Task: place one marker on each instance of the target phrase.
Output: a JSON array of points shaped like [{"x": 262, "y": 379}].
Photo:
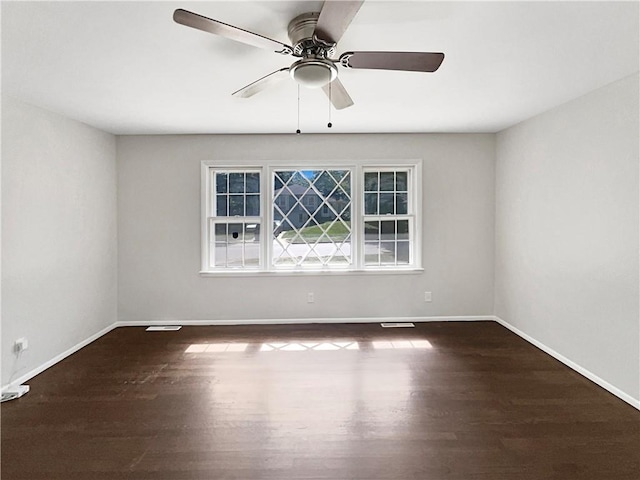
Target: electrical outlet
[
  {"x": 427, "y": 296},
  {"x": 14, "y": 392},
  {"x": 20, "y": 345},
  {"x": 310, "y": 298}
]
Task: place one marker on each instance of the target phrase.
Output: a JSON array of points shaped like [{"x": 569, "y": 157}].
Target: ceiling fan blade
[
  {"x": 205, "y": 24},
  {"x": 335, "y": 18},
  {"x": 262, "y": 83},
  {"x": 337, "y": 94},
  {"x": 407, "y": 61}
]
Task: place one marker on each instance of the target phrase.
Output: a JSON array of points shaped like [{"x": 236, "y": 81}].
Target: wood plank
[{"x": 301, "y": 402}]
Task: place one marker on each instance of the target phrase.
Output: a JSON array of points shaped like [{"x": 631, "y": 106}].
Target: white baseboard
[
  {"x": 634, "y": 402},
  {"x": 298, "y": 320},
  {"x": 271, "y": 321},
  {"x": 32, "y": 373}
]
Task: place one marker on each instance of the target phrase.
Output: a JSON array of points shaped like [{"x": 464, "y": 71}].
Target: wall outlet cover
[{"x": 21, "y": 345}]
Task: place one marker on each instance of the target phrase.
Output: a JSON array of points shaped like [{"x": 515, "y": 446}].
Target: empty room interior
[{"x": 320, "y": 240}]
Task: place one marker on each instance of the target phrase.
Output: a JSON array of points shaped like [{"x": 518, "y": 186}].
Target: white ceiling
[{"x": 127, "y": 68}]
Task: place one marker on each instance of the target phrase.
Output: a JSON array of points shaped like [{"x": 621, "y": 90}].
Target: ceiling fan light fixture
[{"x": 313, "y": 72}]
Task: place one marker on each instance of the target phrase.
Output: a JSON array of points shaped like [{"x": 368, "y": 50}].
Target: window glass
[
  {"x": 237, "y": 194},
  {"x": 387, "y": 242},
  {"x": 235, "y": 243},
  {"x": 312, "y": 217},
  {"x": 253, "y": 183},
  {"x": 310, "y": 213}
]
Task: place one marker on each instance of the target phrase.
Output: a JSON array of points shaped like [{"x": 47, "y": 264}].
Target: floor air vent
[
  {"x": 164, "y": 328},
  {"x": 398, "y": 325}
]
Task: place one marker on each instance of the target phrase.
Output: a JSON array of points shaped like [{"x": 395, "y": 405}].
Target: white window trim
[
  {"x": 414, "y": 200},
  {"x": 357, "y": 215},
  {"x": 269, "y": 172},
  {"x": 207, "y": 209}
]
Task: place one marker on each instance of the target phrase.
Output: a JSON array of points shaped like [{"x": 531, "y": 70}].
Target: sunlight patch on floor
[
  {"x": 216, "y": 347},
  {"x": 303, "y": 346},
  {"x": 401, "y": 344},
  {"x": 306, "y": 346}
]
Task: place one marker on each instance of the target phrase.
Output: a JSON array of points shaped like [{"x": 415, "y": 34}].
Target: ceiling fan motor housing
[
  {"x": 301, "y": 30},
  {"x": 314, "y": 69}
]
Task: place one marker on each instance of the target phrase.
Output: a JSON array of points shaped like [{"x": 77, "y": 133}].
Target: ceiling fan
[{"x": 314, "y": 37}]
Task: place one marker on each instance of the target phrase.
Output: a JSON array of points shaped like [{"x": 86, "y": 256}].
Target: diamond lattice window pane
[
  {"x": 324, "y": 183},
  {"x": 312, "y": 217}
]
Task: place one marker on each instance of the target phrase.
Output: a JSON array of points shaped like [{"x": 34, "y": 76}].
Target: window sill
[{"x": 295, "y": 273}]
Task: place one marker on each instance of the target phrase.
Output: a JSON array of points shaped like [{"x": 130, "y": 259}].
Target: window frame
[
  {"x": 266, "y": 171},
  {"x": 411, "y": 214},
  {"x": 210, "y": 219},
  {"x": 271, "y": 169}
]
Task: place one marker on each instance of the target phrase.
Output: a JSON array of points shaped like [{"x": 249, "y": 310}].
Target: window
[
  {"x": 387, "y": 219},
  {"x": 295, "y": 219},
  {"x": 305, "y": 233},
  {"x": 234, "y": 228}
]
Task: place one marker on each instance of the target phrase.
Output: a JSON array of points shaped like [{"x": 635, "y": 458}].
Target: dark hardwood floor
[{"x": 464, "y": 401}]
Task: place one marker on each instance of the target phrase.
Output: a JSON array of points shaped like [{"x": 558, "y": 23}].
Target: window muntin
[
  {"x": 359, "y": 217},
  {"x": 388, "y": 219},
  {"x": 237, "y": 244},
  {"x": 386, "y": 192},
  {"x": 235, "y": 220},
  {"x": 311, "y": 218},
  {"x": 237, "y": 194},
  {"x": 386, "y": 242}
]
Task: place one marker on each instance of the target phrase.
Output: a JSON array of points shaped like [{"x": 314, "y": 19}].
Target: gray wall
[
  {"x": 567, "y": 231},
  {"x": 562, "y": 195},
  {"x": 159, "y": 231},
  {"x": 58, "y": 234}
]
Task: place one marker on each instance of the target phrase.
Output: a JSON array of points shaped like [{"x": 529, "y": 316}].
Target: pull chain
[
  {"x": 298, "y": 130},
  {"x": 329, "y": 125}
]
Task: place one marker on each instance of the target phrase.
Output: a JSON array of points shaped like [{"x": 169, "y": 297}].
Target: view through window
[
  {"x": 312, "y": 217},
  {"x": 263, "y": 219}
]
